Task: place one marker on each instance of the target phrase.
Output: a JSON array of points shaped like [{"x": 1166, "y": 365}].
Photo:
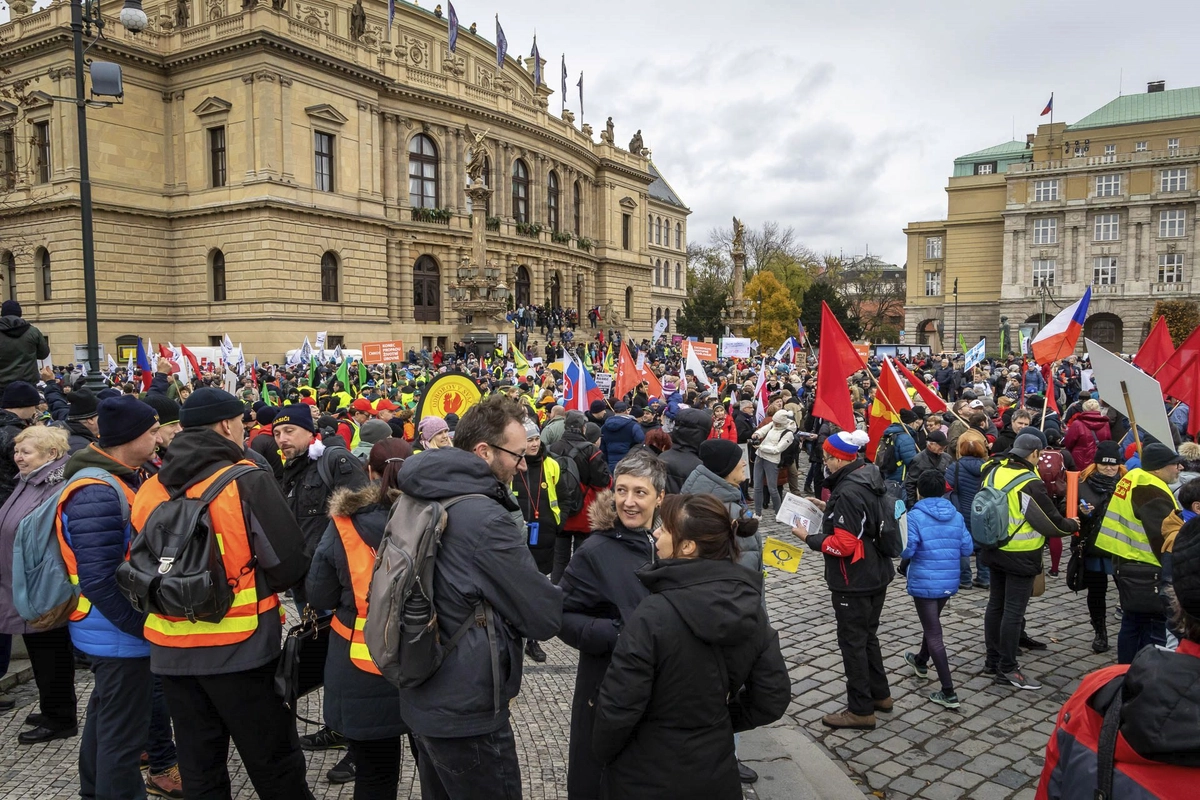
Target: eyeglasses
[{"x": 518, "y": 456}]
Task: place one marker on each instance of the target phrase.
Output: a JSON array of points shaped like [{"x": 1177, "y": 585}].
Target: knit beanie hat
[
  {"x": 1108, "y": 452},
  {"x": 297, "y": 415},
  {"x": 20, "y": 394},
  {"x": 1157, "y": 455},
  {"x": 374, "y": 430},
  {"x": 207, "y": 406},
  {"x": 1185, "y": 568},
  {"x": 720, "y": 456},
  {"x": 845, "y": 444},
  {"x": 531, "y": 430},
  {"x": 123, "y": 419},
  {"x": 84, "y": 405},
  {"x": 266, "y": 415},
  {"x": 10, "y": 308},
  {"x": 168, "y": 409},
  {"x": 430, "y": 427}
]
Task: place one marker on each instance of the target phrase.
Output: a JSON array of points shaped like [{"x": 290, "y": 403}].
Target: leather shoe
[
  {"x": 36, "y": 720},
  {"x": 7, "y": 703},
  {"x": 884, "y": 705},
  {"x": 42, "y": 734},
  {"x": 745, "y": 774},
  {"x": 1030, "y": 643},
  {"x": 848, "y": 719}
]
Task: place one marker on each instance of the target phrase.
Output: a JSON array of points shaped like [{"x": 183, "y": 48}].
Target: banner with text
[{"x": 383, "y": 352}]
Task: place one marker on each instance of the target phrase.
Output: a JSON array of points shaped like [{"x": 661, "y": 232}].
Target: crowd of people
[{"x": 630, "y": 527}]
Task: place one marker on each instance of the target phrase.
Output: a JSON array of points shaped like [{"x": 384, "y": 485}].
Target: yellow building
[
  {"x": 1109, "y": 202},
  {"x": 271, "y": 173},
  {"x": 666, "y": 239}
]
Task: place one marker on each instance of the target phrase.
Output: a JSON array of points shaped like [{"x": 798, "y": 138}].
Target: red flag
[
  {"x": 1051, "y": 389},
  {"x": 932, "y": 401},
  {"x": 191, "y": 357},
  {"x": 1186, "y": 388},
  {"x": 890, "y": 397},
  {"x": 163, "y": 352},
  {"x": 1156, "y": 350},
  {"x": 627, "y": 375},
  {"x": 838, "y": 361},
  {"x": 1180, "y": 361}
]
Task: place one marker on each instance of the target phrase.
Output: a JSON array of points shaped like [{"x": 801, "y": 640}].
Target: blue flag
[
  {"x": 537, "y": 65},
  {"x": 580, "y": 85},
  {"x": 452, "y": 21},
  {"x": 501, "y": 44}
]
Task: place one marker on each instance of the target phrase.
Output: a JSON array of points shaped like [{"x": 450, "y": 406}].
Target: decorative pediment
[
  {"x": 7, "y": 110},
  {"x": 327, "y": 114},
  {"x": 210, "y": 106},
  {"x": 38, "y": 99},
  {"x": 628, "y": 202}
]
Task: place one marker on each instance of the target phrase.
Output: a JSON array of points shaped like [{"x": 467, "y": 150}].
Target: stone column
[
  {"x": 406, "y": 281},
  {"x": 170, "y": 146},
  {"x": 267, "y": 157},
  {"x": 502, "y": 178},
  {"x": 393, "y": 281},
  {"x": 250, "y": 139},
  {"x": 286, "y": 162},
  {"x": 458, "y": 178},
  {"x": 179, "y": 155},
  {"x": 479, "y": 197},
  {"x": 376, "y": 157},
  {"x": 365, "y": 148},
  {"x": 388, "y": 162}
]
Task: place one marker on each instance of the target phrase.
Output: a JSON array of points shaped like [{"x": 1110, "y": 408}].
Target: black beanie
[
  {"x": 908, "y": 416},
  {"x": 266, "y": 414},
  {"x": 297, "y": 415},
  {"x": 168, "y": 409},
  {"x": 720, "y": 456},
  {"x": 123, "y": 419},
  {"x": 83, "y": 403},
  {"x": 20, "y": 394},
  {"x": 207, "y": 406},
  {"x": 1108, "y": 452},
  {"x": 10, "y": 308}
]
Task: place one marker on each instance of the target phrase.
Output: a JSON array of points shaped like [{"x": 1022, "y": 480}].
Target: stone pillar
[
  {"x": 458, "y": 178},
  {"x": 267, "y": 157},
  {"x": 250, "y": 138},
  {"x": 64, "y": 134},
  {"x": 406, "y": 281},
  {"x": 365, "y": 148},
  {"x": 393, "y": 281},
  {"x": 502, "y": 178},
  {"x": 170, "y": 146},
  {"x": 179, "y": 155},
  {"x": 286, "y": 162},
  {"x": 389, "y": 159},
  {"x": 479, "y": 197},
  {"x": 376, "y": 157}
]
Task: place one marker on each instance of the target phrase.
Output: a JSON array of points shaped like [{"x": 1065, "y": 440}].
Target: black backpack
[
  {"x": 887, "y": 456},
  {"x": 175, "y": 567},
  {"x": 570, "y": 486}
]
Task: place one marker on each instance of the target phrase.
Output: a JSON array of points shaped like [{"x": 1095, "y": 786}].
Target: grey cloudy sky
[{"x": 841, "y": 119}]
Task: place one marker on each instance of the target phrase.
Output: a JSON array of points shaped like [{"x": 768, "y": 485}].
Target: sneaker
[
  {"x": 848, "y": 719},
  {"x": 1029, "y": 643},
  {"x": 942, "y": 699},
  {"x": 981, "y": 584},
  {"x": 535, "y": 651},
  {"x": 343, "y": 771},
  {"x": 164, "y": 784},
  {"x": 920, "y": 670},
  {"x": 324, "y": 739},
  {"x": 745, "y": 774},
  {"x": 1017, "y": 679},
  {"x": 964, "y": 586}
]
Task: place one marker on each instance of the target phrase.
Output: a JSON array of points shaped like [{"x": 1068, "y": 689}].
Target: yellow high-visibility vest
[{"x": 1121, "y": 532}]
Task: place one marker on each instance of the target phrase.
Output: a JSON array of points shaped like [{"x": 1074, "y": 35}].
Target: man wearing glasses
[{"x": 459, "y": 717}]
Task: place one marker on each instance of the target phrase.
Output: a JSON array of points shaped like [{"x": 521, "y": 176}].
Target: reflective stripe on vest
[
  {"x": 1121, "y": 532},
  {"x": 552, "y": 472},
  {"x": 233, "y": 540},
  {"x": 360, "y": 558},
  {"x": 1022, "y": 538},
  {"x": 83, "y": 606}
]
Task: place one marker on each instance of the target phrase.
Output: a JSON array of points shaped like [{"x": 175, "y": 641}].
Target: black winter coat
[
  {"x": 308, "y": 496},
  {"x": 601, "y": 590},
  {"x": 696, "y": 663},
  {"x": 692, "y": 426},
  {"x": 529, "y": 486},
  {"x": 857, "y": 503},
  {"x": 10, "y": 426}
]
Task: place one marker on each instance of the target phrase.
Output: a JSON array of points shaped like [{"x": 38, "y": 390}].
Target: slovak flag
[
  {"x": 579, "y": 388},
  {"x": 1049, "y": 109},
  {"x": 1057, "y": 340}
]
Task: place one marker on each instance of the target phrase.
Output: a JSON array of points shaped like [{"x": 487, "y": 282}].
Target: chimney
[{"x": 1156, "y": 86}]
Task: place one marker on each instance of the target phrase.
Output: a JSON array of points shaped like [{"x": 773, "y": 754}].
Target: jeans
[
  {"x": 929, "y": 611},
  {"x": 480, "y": 767},
  {"x": 1138, "y": 631},
  {"x": 766, "y": 474},
  {"x": 114, "y": 733},
  {"x": 857, "y": 618},
  {"x": 53, "y": 662},
  {"x": 160, "y": 746},
  {"x": 377, "y": 767},
  {"x": 565, "y": 544},
  {"x": 1004, "y": 619},
  {"x": 982, "y": 573}
]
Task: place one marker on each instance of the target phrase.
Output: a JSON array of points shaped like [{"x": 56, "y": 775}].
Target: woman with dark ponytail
[{"x": 695, "y": 663}]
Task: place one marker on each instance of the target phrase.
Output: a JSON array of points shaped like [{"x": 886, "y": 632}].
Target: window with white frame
[
  {"x": 1108, "y": 227},
  {"x": 1045, "y": 231},
  {"x": 1172, "y": 147},
  {"x": 1171, "y": 223},
  {"x": 1108, "y": 185},
  {"x": 1043, "y": 271},
  {"x": 933, "y": 247},
  {"x": 1173, "y": 180},
  {"x": 1170, "y": 268},
  {"x": 1104, "y": 271},
  {"x": 933, "y": 284},
  {"x": 1044, "y": 191},
  {"x": 1141, "y": 147},
  {"x": 985, "y": 169},
  {"x": 1110, "y": 152}
]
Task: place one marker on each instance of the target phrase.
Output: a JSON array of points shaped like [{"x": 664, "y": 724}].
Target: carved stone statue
[
  {"x": 181, "y": 14},
  {"x": 1005, "y": 336},
  {"x": 358, "y": 21},
  {"x": 610, "y": 313},
  {"x": 278, "y": 5},
  {"x": 739, "y": 234},
  {"x": 636, "y": 145},
  {"x": 476, "y": 155},
  {"x": 606, "y": 135}
]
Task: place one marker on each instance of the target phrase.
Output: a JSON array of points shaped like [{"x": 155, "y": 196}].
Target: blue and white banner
[{"x": 976, "y": 354}]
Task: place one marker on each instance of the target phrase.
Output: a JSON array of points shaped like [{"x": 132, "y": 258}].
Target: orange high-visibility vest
[
  {"x": 83, "y": 606},
  {"x": 360, "y": 557},
  {"x": 229, "y": 525}
]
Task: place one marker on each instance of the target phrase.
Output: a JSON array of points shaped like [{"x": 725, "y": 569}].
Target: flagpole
[
  {"x": 1049, "y": 388},
  {"x": 879, "y": 394}
]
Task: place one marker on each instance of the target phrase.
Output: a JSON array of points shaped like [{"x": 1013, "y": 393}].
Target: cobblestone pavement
[{"x": 990, "y": 749}]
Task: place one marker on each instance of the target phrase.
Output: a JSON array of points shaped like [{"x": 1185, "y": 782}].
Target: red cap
[
  {"x": 383, "y": 404},
  {"x": 364, "y": 405}
]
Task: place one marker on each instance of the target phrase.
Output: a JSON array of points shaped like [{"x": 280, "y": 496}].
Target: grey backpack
[{"x": 989, "y": 511}]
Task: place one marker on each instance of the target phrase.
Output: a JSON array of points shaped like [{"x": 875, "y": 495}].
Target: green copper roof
[
  {"x": 1013, "y": 148},
  {"x": 1149, "y": 107}
]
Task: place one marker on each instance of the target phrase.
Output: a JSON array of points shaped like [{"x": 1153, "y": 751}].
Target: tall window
[
  {"x": 1173, "y": 180},
  {"x": 522, "y": 287},
  {"x": 626, "y": 225},
  {"x": 1045, "y": 231},
  {"x": 323, "y": 161},
  {"x": 8, "y": 159},
  {"x": 1171, "y": 223},
  {"x": 1172, "y": 147},
  {"x": 10, "y": 276},
  {"x": 658, "y": 230},
  {"x": 649, "y": 229},
  {"x": 1108, "y": 185},
  {"x": 422, "y": 172},
  {"x": 1170, "y": 268},
  {"x": 1110, "y": 153},
  {"x": 678, "y": 236},
  {"x": 1107, "y": 228},
  {"x": 678, "y": 275},
  {"x": 329, "y": 277},
  {"x": 1043, "y": 271},
  {"x": 1104, "y": 271},
  {"x": 1044, "y": 191},
  {"x": 41, "y": 151},
  {"x": 658, "y": 272},
  {"x": 933, "y": 247},
  {"x": 43, "y": 262},
  {"x": 216, "y": 156},
  {"x": 218, "y": 276},
  {"x": 933, "y": 284},
  {"x": 427, "y": 290},
  {"x": 578, "y": 203},
  {"x": 628, "y": 302},
  {"x": 520, "y": 191},
  {"x": 552, "y": 201}
]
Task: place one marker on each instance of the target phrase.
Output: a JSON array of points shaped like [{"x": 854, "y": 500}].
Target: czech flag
[
  {"x": 1057, "y": 340},
  {"x": 579, "y": 387},
  {"x": 1049, "y": 106},
  {"x": 143, "y": 362}
]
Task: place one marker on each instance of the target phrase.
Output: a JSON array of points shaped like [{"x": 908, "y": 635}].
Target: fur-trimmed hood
[
  {"x": 346, "y": 502},
  {"x": 602, "y": 513}
]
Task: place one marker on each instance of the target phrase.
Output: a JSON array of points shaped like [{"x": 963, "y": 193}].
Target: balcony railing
[{"x": 1092, "y": 162}]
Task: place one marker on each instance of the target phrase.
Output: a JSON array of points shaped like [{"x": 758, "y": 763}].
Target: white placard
[
  {"x": 641, "y": 362},
  {"x": 1145, "y": 394},
  {"x": 735, "y": 347}
]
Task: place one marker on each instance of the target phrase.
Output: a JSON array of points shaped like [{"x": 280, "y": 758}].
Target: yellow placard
[{"x": 781, "y": 555}]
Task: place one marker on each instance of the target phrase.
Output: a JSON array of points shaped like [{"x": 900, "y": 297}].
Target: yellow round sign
[{"x": 448, "y": 394}]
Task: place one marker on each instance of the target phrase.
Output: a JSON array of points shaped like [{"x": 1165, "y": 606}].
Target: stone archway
[
  {"x": 927, "y": 334},
  {"x": 1105, "y": 329}
]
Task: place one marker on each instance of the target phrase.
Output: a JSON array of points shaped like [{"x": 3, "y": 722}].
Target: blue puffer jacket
[
  {"x": 619, "y": 433},
  {"x": 95, "y": 531},
  {"x": 906, "y": 450},
  {"x": 937, "y": 540},
  {"x": 965, "y": 477}
]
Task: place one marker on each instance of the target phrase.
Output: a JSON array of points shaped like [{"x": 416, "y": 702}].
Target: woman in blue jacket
[{"x": 937, "y": 539}]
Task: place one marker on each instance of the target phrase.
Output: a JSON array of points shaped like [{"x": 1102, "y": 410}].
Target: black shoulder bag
[{"x": 301, "y": 667}]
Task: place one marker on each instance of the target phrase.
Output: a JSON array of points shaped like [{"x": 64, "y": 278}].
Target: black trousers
[
  {"x": 211, "y": 710},
  {"x": 377, "y": 767},
  {"x": 116, "y": 729},
  {"x": 1004, "y": 619},
  {"x": 53, "y": 662},
  {"x": 857, "y": 618}
]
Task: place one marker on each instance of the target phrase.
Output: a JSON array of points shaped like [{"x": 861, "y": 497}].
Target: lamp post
[
  {"x": 956, "y": 311},
  {"x": 760, "y": 329},
  {"x": 83, "y": 19}
]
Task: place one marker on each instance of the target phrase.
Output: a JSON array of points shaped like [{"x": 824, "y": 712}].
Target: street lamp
[
  {"x": 760, "y": 318},
  {"x": 83, "y": 19},
  {"x": 956, "y": 310}
]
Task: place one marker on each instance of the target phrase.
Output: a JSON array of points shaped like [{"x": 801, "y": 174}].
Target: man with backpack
[
  {"x": 484, "y": 571},
  {"x": 593, "y": 476},
  {"x": 218, "y": 674}
]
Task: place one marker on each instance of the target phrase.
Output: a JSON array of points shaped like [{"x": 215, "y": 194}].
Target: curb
[
  {"x": 23, "y": 675},
  {"x": 791, "y": 766}
]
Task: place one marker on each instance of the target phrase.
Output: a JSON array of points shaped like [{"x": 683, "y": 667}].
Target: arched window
[
  {"x": 552, "y": 201},
  {"x": 628, "y": 302},
  {"x": 678, "y": 236},
  {"x": 522, "y": 286},
  {"x": 329, "y": 277},
  {"x": 658, "y": 231},
  {"x": 657, "y": 314},
  {"x": 43, "y": 264},
  {"x": 217, "y": 270},
  {"x": 520, "y": 191},
  {"x": 427, "y": 291},
  {"x": 667, "y": 317},
  {"x": 658, "y": 272},
  {"x": 578, "y": 210},
  {"x": 678, "y": 275},
  {"x": 10, "y": 276},
  {"x": 649, "y": 229},
  {"x": 422, "y": 172}
]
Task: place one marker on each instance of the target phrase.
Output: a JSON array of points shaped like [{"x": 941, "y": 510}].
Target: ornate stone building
[
  {"x": 1110, "y": 202},
  {"x": 279, "y": 168},
  {"x": 666, "y": 239}
]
